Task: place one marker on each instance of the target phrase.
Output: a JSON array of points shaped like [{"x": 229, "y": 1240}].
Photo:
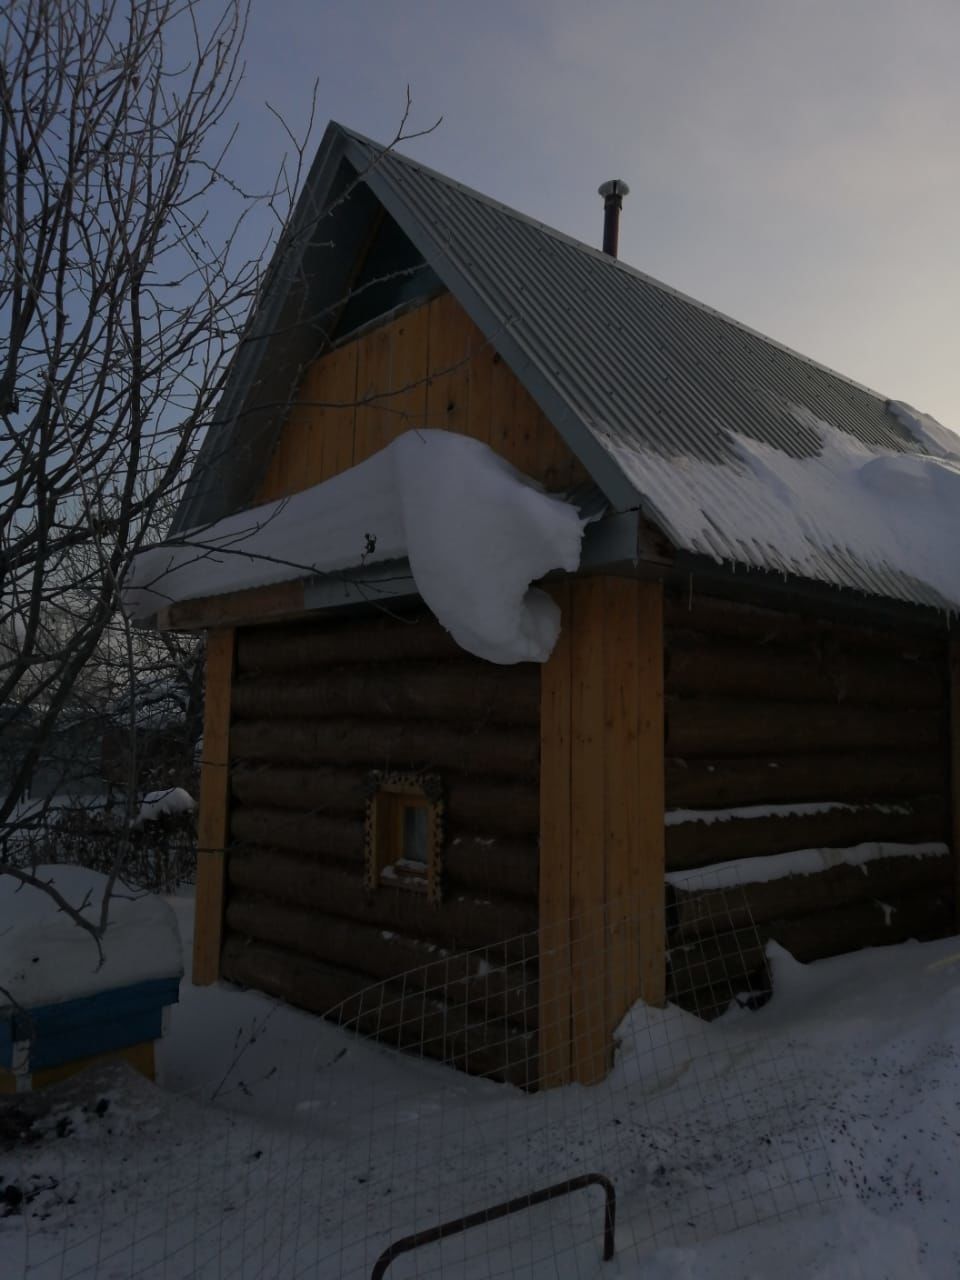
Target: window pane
[{"x": 415, "y": 826}]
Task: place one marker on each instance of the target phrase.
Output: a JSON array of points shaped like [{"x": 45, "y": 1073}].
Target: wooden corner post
[
  {"x": 213, "y": 826},
  {"x": 555, "y": 1031},
  {"x": 602, "y": 927}
]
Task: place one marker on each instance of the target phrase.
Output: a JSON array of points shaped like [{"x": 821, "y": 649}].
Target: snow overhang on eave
[
  {"x": 621, "y": 540},
  {"x": 476, "y": 531}
]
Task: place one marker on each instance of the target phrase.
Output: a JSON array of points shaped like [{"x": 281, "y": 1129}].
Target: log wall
[
  {"x": 429, "y": 367},
  {"x": 781, "y": 733},
  {"x": 315, "y": 707},
  {"x": 767, "y": 710}
]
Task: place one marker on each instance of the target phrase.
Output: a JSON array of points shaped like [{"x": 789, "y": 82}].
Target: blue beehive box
[{"x": 63, "y": 1008}]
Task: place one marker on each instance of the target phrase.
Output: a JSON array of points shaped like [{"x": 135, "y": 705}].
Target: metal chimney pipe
[{"x": 613, "y": 193}]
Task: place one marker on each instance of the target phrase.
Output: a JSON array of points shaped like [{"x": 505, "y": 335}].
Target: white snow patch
[
  {"x": 162, "y": 804},
  {"x": 676, "y": 817},
  {"x": 844, "y": 1243},
  {"x": 476, "y": 532},
  {"x": 926, "y": 430},
  {"x": 45, "y": 957},
  {"x": 321, "y": 1148},
  {"x": 896, "y": 513},
  {"x": 800, "y": 862}
]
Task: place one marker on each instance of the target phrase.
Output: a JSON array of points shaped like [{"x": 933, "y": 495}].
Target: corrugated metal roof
[
  {"x": 622, "y": 362},
  {"x": 656, "y": 393},
  {"x": 634, "y": 357}
]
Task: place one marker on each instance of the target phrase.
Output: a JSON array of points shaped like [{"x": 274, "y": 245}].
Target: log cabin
[{"x": 745, "y": 725}]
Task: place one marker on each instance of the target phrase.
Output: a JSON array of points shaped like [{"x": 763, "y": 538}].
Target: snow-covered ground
[{"x": 817, "y": 1138}]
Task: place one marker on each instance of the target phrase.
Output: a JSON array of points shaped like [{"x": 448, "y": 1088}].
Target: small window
[{"x": 404, "y": 832}]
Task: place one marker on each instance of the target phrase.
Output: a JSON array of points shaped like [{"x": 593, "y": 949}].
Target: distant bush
[{"x": 159, "y": 850}]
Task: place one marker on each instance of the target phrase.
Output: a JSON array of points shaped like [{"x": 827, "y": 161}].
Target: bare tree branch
[{"x": 120, "y": 309}]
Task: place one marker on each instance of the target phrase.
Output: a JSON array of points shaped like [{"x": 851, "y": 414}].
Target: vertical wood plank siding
[
  {"x": 828, "y": 735},
  {"x": 429, "y": 367},
  {"x": 556, "y": 791},
  {"x": 646, "y": 766},
  {"x": 214, "y": 807},
  {"x": 609, "y": 863},
  {"x": 317, "y": 706}
]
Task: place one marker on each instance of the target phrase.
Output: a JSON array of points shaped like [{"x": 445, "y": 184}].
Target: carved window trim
[{"x": 388, "y": 797}]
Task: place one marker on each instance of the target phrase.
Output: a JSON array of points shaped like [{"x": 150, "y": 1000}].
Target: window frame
[{"x": 388, "y": 795}]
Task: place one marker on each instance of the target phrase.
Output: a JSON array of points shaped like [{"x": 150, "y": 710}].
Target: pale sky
[{"x": 792, "y": 162}]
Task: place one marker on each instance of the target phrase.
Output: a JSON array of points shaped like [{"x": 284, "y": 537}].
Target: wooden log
[
  {"x": 476, "y": 805},
  {"x": 926, "y": 913},
  {"x": 472, "y": 692},
  {"x": 702, "y": 726},
  {"x": 717, "y": 782},
  {"x": 305, "y": 646},
  {"x": 319, "y": 834},
  {"x": 715, "y": 671},
  {"x": 705, "y": 983},
  {"x": 492, "y": 866},
  {"x": 737, "y": 957},
  {"x": 698, "y": 844},
  {"x": 296, "y": 979},
  {"x": 391, "y": 744},
  {"x": 462, "y": 922},
  {"x": 697, "y": 913},
  {"x": 214, "y": 808},
  {"x": 712, "y": 1001},
  {"x": 713, "y": 616},
  {"x": 460, "y": 980},
  {"x": 233, "y": 608},
  {"x": 489, "y": 807},
  {"x": 386, "y": 1012},
  {"x": 307, "y": 790},
  {"x": 483, "y": 866}
]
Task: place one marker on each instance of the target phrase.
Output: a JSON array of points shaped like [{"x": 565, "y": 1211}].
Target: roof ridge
[{"x": 613, "y": 263}]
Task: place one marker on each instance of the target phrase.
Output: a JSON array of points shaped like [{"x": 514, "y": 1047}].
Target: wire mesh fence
[{"x": 435, "y": 1096}]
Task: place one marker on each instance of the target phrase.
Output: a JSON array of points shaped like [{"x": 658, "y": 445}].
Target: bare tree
[{"x": 119, "y": 308}]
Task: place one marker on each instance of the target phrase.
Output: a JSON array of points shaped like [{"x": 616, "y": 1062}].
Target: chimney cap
[{"x": 615, "y": 187}]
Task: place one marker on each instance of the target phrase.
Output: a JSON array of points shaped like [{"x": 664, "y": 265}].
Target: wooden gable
[{"x": 429, "y": 367}]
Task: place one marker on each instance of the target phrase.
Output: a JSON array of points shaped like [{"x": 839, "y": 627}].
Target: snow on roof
[
  {"x": 672, "y": 407},
  {"x": 46, "y": 958},
  {"x": 847, "y": 514},
  {"x": 476, "y": 532},
  {"x": 930, "y": 434}
]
